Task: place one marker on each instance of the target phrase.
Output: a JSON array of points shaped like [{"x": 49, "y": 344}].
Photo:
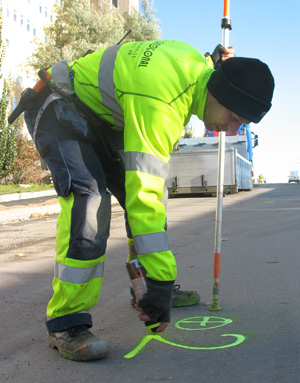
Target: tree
[
  {"x": 7, "y": 133},
  {"x": 144, "y": 26},
  {"x": 19, "y": 160},
  {"x": 79, "y": 27}
]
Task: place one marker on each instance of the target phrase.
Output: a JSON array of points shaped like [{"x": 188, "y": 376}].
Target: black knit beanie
[{"x": 244, "y": 86}]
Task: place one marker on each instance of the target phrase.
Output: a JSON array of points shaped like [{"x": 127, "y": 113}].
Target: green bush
[{"x": 27, "y": 165}]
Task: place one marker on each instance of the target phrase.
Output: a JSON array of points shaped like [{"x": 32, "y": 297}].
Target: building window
[
  {"x": 15, "y": 15},
  {"x": 7, "y": 12},
  {"x": 46, "y": 12},
  {"x": 7, "y": 43},
  {"x": 34, "y": 32},
  {"x": 28, "y": 25},
  {"x": 115, "y": 3},
  {"x": 40, "y": 9},
  {"x": 21, "y": 21}
]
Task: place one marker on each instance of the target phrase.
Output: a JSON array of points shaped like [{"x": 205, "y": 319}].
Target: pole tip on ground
[{"x": 215, "y": 307}]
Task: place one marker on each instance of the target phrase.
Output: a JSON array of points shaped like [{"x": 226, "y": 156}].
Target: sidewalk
[
  {"x": 29, "y": 205},
  {"x": 26, "y": 195}
]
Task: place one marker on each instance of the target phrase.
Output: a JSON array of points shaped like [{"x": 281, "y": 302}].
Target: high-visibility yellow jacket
[{"x": 149, "y": 89}]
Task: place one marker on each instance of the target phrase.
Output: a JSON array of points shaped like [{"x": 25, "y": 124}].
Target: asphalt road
[{"x": 254, "y": 338}]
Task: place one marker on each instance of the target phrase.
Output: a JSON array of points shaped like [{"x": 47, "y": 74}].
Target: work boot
[
  {"x": 183, "y": 298},
  {"x": 78, "y": 343},
  {"x": 180, "y": 298}
]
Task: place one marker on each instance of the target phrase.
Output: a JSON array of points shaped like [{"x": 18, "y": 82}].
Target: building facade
[
  {"x": 121, "y": 5},
  {"x": 23, "y": 20}
]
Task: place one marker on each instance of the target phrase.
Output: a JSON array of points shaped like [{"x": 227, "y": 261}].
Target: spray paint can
[
  {"x": 138, "y": 279},
  {"x": 138, "y": 282}
]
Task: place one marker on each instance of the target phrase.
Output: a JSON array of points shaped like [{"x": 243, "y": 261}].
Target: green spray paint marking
[
  {"x": 147, "y": 338},
  {"x": 202, "y": 323}
]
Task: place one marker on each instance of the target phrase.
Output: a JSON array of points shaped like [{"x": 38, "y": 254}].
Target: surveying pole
[{"x": 226, "y": 27}]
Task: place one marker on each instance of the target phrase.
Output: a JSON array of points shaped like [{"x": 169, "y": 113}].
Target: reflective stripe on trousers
[{"x": 78, "y": 276}]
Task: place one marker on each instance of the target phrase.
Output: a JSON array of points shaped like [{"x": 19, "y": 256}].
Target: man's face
[{"x": 218, "y": 118}]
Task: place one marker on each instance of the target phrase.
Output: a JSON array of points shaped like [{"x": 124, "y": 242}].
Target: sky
[{"x": 263, "y": 29}]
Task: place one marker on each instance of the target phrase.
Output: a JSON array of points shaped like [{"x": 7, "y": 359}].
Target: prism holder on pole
[{"x": 226, "y": 26}]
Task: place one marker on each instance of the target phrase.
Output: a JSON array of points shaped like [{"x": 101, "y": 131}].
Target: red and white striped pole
[{"x": 226, "y": 26}]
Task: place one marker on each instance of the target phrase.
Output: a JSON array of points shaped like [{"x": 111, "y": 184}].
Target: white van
[{"x": 294, "y": 176}]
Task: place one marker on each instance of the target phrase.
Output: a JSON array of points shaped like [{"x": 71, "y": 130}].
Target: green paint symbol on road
[
  {"x": 269, "y": 202},
  {"x": 193, "y": 323},
  {"x": 201, "y": 323}
]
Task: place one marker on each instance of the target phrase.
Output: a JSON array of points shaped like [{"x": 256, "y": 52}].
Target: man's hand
[
  {"x": 220, "y": 54},
  {"x": 227, "y": 53},
  {"x": 155, "y": 306},
  {"x": 144, "y": 317}
]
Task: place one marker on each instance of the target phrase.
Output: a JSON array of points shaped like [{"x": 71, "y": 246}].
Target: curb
[{"x": 26, "y": 195}]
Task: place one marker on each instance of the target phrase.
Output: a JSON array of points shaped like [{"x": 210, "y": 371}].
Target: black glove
[
  {"x": 216, "y": 56},
  {"x": 156, "y": 302}
]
